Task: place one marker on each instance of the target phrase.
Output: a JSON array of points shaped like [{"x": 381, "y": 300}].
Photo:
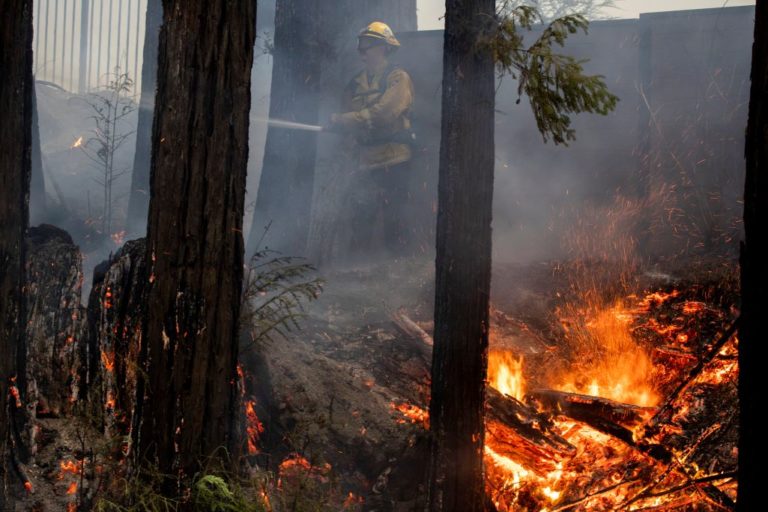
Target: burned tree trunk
[
  {"x": 115, "y": 310},
  {"x": 138, "y": 203},
  {"x": 54, "y": 323},
  {"x": 754, "y": 270},
  {"x": 463, "y": 262},
  {"x": 285, "y": 188},
  {"x": 194, "y": 239},
  {"x": 15, "y": 168}
]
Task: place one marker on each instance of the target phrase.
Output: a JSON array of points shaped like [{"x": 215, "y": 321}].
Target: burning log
[
  {"x": 519, "y": 432},
  {"x": 608, "y": 416}
]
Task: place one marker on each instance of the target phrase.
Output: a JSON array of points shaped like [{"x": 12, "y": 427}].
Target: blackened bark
[
  {"x": 194, "y": 235},
  {"x": 463, "y": 262},
  {"x": 115, "y": 310},
  {"x": 138, "y": 203},
  {"x": 54, "y": 326},
  {"x": 287, "y": 177},
  {"x": 15, "y": 168},
  {"x": 754, "y": 272}
]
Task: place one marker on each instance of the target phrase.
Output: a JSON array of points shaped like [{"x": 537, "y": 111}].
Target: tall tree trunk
[
  {"x": 194, "y": 235},
  {"x": 16, "y": 87},
  {"x": 308, "y": 37},
  {"x": 463, "y": 262},
  {"x": 754, "y": 271},
  {"x": 138, "y": 202},
  {"x": 285, "y": 188}
]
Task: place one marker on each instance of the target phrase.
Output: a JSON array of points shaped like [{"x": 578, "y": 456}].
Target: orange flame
[
  {"x": 505, "y": 373},
  {"x": 72, "y": 489},
  {"x": 612, "y": 364},
  {"x": 254, "y": 427}
]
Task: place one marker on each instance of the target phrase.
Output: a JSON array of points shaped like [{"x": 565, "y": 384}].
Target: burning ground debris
[
  {"x": 627, "y": 405},
  {"x": 643, "y": 392}
]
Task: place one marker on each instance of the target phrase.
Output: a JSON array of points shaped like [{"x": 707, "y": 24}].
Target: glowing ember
[
  {"x": 108, "y": 360},
  {"x": 109, "y": 403},
  {"x": 295, "y": 467},
  {"x": 72, "y": 489},
  {"x": 118, "y": 238},
  {"x": 352, "y": 500},
  {"x": 28, "y": 486},
  {"x": 253, "y": 428},
  {"x": 505, "y": 373},
  {"x": 414, "y": 413}
]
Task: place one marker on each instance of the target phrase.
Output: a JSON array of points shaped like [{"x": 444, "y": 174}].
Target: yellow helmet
[{"x": 380, "y": 32}]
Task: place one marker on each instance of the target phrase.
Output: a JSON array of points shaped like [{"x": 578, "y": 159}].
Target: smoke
[{"x": 676, "y": 133}]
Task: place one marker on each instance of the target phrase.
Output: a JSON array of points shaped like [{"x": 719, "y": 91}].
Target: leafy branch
[{"x": 555, "y": 84}]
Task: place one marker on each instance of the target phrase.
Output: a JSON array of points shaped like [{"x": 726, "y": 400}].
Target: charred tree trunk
[
  {"x": 754, "y": 271},
  {"x": 194, "y": 239},
  {"x": 463, "y": 262},
  {"x": 287, "y": 177},
  {"x": 138, "y": 202},
  {"x": 15, "y": 168}
]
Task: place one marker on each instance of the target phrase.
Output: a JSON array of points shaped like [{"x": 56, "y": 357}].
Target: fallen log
[
  {"x": 517, "y": 431},
  {"x": 409, "y": 327},
  {"x": 608, "y": 416}
]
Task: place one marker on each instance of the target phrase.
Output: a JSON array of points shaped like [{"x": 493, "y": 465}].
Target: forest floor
[{"x": 351, "y": 390}]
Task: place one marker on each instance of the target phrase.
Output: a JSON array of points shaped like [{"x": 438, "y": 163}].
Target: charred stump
[
  {"x": 55, "y": 321},
  {"x": 115, "y": 309}
]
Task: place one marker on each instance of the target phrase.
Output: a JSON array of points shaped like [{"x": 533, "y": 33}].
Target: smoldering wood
[
  {"x": 528, "y": 438},
  {"x": 55, "y": 320},
  {"x": 115, "y": 309}
]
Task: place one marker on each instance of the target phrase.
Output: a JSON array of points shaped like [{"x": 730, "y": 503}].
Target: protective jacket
[{"x": 376, "y": 110}]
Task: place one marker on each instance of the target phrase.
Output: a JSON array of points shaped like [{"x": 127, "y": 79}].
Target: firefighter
[{"x": 376, "y": 104}]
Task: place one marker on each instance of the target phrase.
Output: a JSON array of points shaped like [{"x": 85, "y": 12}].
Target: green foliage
[
  {"x": 276, "y": 289},
  {"x": 556, "y": 85}
]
